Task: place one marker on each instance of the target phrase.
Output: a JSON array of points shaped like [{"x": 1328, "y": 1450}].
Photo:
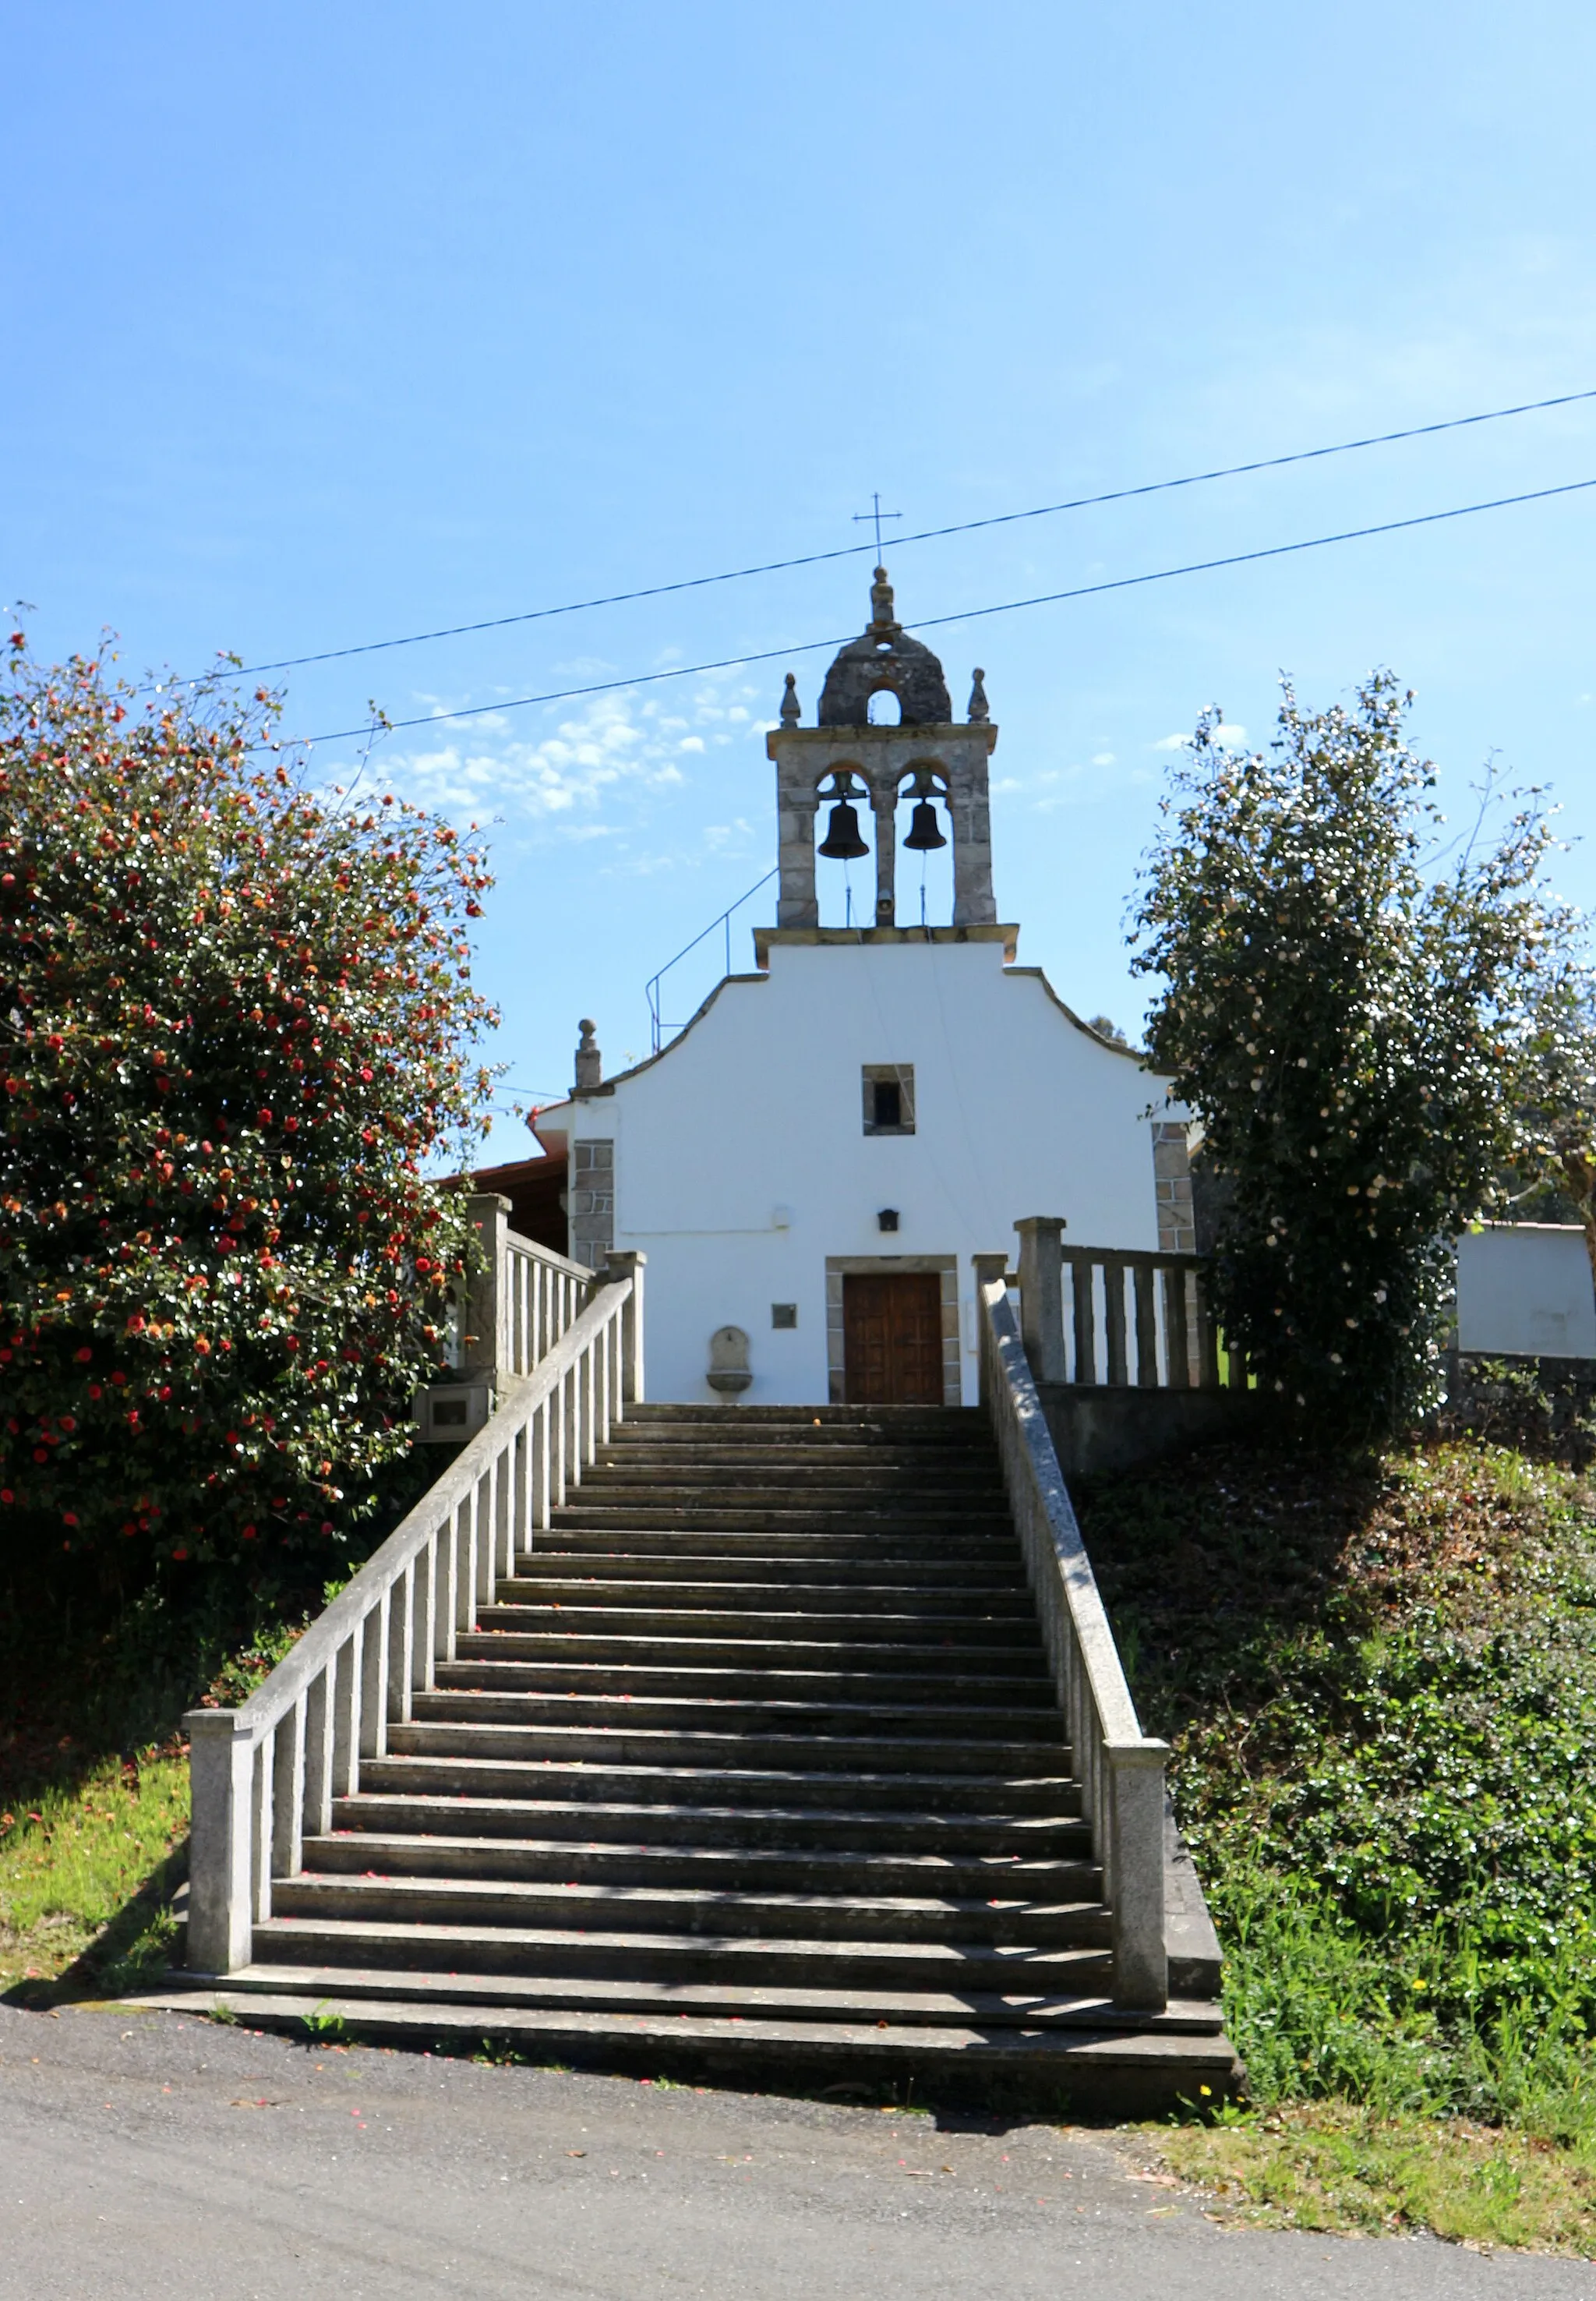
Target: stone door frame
[{"x": 839, "y": 1266}]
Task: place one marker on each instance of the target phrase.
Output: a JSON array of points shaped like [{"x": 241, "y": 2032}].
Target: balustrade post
[
  {"x": 1207, "y": 1338},
  {"x": 1041, "y": 1294},
  {"x": 1136, "y": 1871},
  {"x": 1114, "y": 1319},
  {"x": 1086, "y": 1323},
  {"x": 222, "y": 1762},
  {"x": 486, "y": 1342},
  {"x": 991, "y": 1270},
  {"x": 1176, "y": 1343},
  {"x": 629, "y": 1264},
  {"x": 1147, "y": 1325}
]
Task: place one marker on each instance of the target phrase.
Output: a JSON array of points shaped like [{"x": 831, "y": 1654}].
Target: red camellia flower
[{"x": 198, "y": 921}]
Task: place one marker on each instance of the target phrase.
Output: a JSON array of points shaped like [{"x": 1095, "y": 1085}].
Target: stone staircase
[{"x": 756, "y": 1761}]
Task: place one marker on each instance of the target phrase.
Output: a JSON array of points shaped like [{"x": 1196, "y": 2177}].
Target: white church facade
[{"x": 811, "y": 1165}]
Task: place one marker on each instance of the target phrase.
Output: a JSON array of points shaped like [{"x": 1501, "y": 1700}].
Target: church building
[{"x": 811, "y": 1164}]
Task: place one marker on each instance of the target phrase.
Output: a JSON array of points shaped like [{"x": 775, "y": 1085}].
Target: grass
[
  {"x": 1379, "y": 1678},
  {"x": 92, "y": 1867},
  {"x": 1334, "y": 2166},
  {"x": 93, "y": 1796}
]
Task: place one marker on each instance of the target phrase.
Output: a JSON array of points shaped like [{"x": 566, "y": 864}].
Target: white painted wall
[
  {"x": 1523, "y": 1289},
  {"x": 741, "y": 1161}
]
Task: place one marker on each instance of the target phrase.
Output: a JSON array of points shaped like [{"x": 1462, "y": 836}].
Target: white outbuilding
[{"x": 810, "y": 1166}]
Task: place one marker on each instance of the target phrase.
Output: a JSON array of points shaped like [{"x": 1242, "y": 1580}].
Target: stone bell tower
[{"x": 927, "y": 757}]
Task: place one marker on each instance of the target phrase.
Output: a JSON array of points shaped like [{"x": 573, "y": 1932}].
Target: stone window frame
[
  {"x": 898, "y": 1075},
  {"x": 839, "y": 1266}
]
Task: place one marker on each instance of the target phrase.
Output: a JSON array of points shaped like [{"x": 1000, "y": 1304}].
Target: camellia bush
[
  {"x": 238, "y": 1022},
  {"x": 1353, "y": 1012}
]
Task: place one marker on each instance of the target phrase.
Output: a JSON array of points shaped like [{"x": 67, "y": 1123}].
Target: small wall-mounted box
[{"x": 451, "y": 1412}]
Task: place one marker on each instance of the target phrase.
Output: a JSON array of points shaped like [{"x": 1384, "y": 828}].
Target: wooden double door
[{"x": 892, "y": 1338}]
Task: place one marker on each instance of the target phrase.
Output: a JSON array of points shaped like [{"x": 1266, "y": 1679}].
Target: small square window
[
  {"x": 889, "y": 1097},
  {"x": 783, "y": 1314}
]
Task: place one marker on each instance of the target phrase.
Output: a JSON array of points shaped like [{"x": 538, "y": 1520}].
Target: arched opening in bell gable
[
  {"x": 924, "y": 874},
  {"x": 844, "y": 879}
]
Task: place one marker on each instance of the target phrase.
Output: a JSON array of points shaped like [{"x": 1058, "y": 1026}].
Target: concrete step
[
  {"x": 482, "y": 1664},
  {"x": 854, "y": 1755},
  {"x": 687, "y": 1487},
  {"x": 618, "y": 1642},
  {"x": 707, "y": 1868},
  {"x": 902, "y": 1423},
  {"x": 398, "y": 1898},
  {"x": 1193, "y": 2019},
  {"x": 734, "y": 1961},
  {"x": 790, "y": 1516},
  {"x": 969, "y": 1630},
  {"x": 935, "y": 1551},
  {"x": 923, "y": 1721},
  {"x": 726, "y": 1787},
  {"x": 690, "y": 1570},
  {"x": 1081, "y": 2052},
  {"x": 793, "y": 1593},
  {"x": 603, "y": 1824},
  {"x": 875, "y": 1468}
]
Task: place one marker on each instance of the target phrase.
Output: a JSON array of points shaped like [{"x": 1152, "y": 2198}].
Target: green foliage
[
  {"x": 236, "y": 1022},
  {"x": 1381, "y": 1685},
  {"x": 1354, "y": 1034}
]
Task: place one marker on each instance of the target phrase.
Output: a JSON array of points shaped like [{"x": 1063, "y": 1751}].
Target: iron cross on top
[{"x": 876, "y": 515}]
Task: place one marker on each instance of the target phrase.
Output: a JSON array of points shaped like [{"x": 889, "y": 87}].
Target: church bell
[
  {"x": 842, "y": 841},
  {"x": 924, "y": 832}
]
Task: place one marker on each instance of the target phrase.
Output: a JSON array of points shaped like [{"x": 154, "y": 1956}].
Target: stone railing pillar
[
  {"x": 485, "y": 1346},
  {"x": 629, "y": 1264},
  {"x": 991, "y": 1270},
  {"x": 883, "y": 800},
  {"x": 222, "y": 1773},
  {"x": 1041, "y": 1294},
  {"x": 1136, "y": 1873}
]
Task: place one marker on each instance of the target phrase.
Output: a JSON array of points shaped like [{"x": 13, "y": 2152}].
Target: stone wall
[
  {"x": 1171, "y": 1185},
  {"x": 592, "y": 1200}
]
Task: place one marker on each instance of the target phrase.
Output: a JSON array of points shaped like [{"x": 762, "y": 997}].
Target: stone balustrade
[
  {"x": 1117, "y": 1318},
  {"x": 267, "y": 1773},
  {"x": 1120, "y": 1769}
]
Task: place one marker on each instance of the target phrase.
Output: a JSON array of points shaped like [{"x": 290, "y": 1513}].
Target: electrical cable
[
  {"x": 934, "y": 623},
  {"x": 924, "y": 535}
]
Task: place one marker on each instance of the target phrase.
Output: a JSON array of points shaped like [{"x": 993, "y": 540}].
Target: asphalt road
[{"x": 154, "y": 2154}]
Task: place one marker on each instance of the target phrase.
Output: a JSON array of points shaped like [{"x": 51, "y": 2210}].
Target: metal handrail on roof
[{"x": 657, "y": 1026}]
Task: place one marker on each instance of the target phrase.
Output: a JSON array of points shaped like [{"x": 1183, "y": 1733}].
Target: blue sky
[{"x": 330, "y": 324}]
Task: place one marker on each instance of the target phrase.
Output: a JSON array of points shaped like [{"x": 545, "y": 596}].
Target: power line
[
  {"x": 924, "y": 535},
  {"x": 963, "y": 615}
]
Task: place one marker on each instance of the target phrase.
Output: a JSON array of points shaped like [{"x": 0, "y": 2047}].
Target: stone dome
[{"x": 885, "y": 659}]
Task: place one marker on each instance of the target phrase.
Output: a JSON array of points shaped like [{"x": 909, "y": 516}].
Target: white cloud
[
  {"x": 583, "y": 773},
  {"x": 1172, "y": 742},
  {"x": 490, "y": 767},
  {"x": 1102, "y": 759}
]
